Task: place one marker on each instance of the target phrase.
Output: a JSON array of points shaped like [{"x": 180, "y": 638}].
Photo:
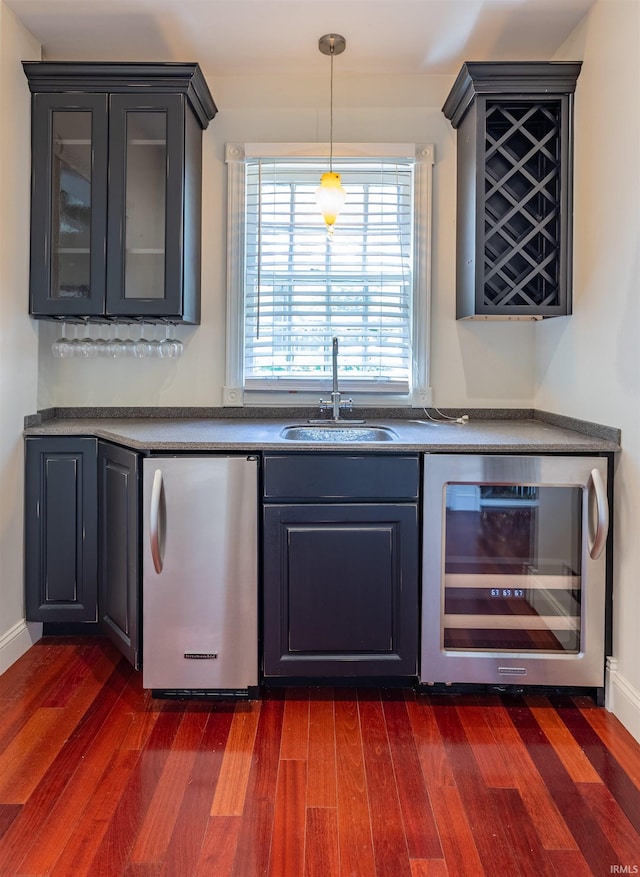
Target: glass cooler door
[{"x": 512, "y": 568}]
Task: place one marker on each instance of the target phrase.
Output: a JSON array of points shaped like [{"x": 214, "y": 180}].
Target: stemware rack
[{"x": 117, "y": 340}]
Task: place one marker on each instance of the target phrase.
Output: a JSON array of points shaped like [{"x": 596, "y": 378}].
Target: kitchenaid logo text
[{"x": 624, "y": 869}]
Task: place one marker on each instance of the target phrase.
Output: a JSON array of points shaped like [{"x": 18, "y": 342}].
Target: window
[{"x": 292, "y": 287}]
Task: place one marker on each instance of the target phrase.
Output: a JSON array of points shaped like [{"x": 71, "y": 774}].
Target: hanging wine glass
[
  {"x": 155, "y": 342},
  {"x": 101, "y": 344},
  {"x": 169, "y": 347},
  {"x": 177, "y": 344},
  {"x": 142, "y": 347},
  {"x": 163, "y": 345},
  {"x": 115, "y": 343},
  {"x": 74, "y": 343},
  {"x": 83, "y": 344},
  {"x": 60, "y": 347},
  {"x": 90, "y": 341},
  {"x": 128, "y": 345},
  {"x": 174, "y": 347}
]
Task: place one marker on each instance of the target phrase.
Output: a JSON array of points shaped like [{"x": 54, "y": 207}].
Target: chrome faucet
[{"x": 335, "y": 405}]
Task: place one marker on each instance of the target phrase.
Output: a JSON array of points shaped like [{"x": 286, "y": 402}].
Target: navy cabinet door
[
  {"x": 340, "y": 590},
  {"x": 118, "y": 572},
  {"x": 68, "y": 204},
  {"x": 61, "y": 562},
  {"x": 151, "y": 260}
]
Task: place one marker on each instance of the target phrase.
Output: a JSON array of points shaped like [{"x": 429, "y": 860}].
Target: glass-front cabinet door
[
  {"x": 514, "y": 569},
  {"x": 146, "y": 151},
  {"x": 69, "y": 222}
]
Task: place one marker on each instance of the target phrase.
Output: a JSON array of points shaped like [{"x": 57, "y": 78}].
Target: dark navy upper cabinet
[
  {"x": 61, "y": 529},
  {"x": 116, "y": 189},
  {"x": 514, "y": 124}
]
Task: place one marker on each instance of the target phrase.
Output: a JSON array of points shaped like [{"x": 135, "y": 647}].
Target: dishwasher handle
[
  {"x": 602, "y": 507},
  {"x": 156, "y": 522}
]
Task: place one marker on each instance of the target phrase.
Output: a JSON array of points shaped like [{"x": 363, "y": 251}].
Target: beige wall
[
  {"x": 18, "y": 335},
  {"x": 588, "y": 365},
  {"x": 473, "y": 364}
]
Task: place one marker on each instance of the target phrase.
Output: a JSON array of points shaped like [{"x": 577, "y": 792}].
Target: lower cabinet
[
  {"x": 340, "y": 578},
  {"x": 118, "y": 552},
  {"x": 340, "y": 555},
  {"x": 81, "y": 536},
  {"x": 61, "y": 512}
]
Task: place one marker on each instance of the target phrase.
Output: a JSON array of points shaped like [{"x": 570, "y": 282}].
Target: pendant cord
[{"x": 331, "y": 116}]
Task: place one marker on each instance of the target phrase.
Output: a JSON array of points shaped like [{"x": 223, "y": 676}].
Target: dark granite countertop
[{"x": 219, "y": 430}]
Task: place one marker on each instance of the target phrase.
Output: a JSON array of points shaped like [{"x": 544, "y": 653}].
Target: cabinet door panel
[
  {"x": 62, "y": 498},
  {"x": 146, "y": 195},
  {"x": 344, "y": 602},
  {"x": 340, "y": 590},
  {"x": 61, "y": 529},
  {"x": 118, "y": 577},
  {"x": 68, "y": 211}
]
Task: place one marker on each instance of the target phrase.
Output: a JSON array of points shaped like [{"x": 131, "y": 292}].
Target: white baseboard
[
  {"x": 622, "y": 699},
  {"x": 16, "y": 641}
]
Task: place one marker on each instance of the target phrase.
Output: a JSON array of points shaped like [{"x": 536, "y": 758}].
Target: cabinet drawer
[{"x": 343, "y": 477}]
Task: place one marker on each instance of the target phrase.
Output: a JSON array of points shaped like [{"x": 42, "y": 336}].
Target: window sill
[{"x": 238, "y": 398}]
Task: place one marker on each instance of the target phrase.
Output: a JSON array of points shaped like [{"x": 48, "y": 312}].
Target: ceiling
[{"x": 236, "y": 37}]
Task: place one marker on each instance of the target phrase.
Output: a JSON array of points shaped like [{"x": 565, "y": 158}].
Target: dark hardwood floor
[{"x": 97, "y": 778}]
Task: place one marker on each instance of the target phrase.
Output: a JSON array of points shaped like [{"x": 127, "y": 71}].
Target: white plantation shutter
[{"x": 302, "y": 288}]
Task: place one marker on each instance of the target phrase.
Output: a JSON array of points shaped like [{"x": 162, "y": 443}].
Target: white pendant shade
[{"x": 330, "y": 197}]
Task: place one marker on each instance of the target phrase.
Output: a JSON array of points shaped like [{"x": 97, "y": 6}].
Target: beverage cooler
[{"x": 514, "y": 572}]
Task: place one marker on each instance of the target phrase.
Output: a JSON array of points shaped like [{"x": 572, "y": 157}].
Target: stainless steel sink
[{"x": 338, "y": 432}]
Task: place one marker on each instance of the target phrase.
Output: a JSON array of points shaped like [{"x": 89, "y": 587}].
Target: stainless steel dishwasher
[{"x": 200, "y": 579}]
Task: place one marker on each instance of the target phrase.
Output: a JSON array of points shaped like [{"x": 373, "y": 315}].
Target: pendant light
[{"x": 330, "y": 195}]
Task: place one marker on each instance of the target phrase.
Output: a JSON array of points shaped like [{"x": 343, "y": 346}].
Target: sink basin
[{"x": 328, "y": 432}]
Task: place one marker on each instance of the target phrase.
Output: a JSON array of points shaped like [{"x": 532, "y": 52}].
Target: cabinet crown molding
[
  {"x": 508, "y": 77},
  {"x": 117, "y": 77}
]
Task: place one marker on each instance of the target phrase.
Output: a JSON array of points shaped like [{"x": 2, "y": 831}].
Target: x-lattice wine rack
[{"x": 514, "y": 205}]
